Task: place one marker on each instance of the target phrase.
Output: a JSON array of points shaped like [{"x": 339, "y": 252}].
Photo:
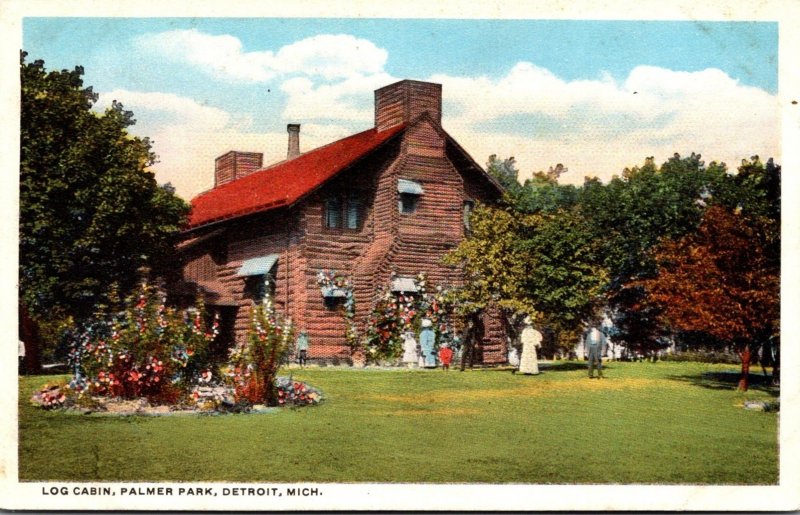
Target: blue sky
[{"x": 596, "y": 96}]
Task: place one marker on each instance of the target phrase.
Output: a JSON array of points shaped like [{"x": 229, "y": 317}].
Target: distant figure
[
  {"x": 410, "y": 353},
  {"x": 427, "y": 339},
  {"x": 302, "y": 348},
  {"x": 531, "y": 338},
  {"x": 513, "y": 356},
  {"x": 21, "y": 365},
  {"x": 595, "y": 342},
  {"x": 445, "y": 356}
]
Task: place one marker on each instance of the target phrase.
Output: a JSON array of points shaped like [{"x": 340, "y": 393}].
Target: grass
[{"x": 677, "y": 423}]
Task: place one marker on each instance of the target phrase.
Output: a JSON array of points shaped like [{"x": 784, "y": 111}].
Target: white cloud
[
  {"x": 328, "y": 56},
  {"x": 220, "y": 56},
  {"x": 594, "y": 127},
  {"x": 350, "y": 99},
  {"x": 331, "y": 57},
  {"x": 599, "y": 127},
  {"x": 163, "y": 109},
  {"x": 188, "y": 136}
]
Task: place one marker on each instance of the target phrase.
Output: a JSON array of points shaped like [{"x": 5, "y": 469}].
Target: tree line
[{"x": 681, "y": 252}]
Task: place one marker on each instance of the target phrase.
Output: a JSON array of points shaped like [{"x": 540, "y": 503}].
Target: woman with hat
[
  {"x": 427, "y": 339},
  {"x": 531, "y": 338}
]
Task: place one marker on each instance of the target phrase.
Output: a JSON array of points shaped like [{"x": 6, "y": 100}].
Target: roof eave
[{"x": 494, "y": 182}]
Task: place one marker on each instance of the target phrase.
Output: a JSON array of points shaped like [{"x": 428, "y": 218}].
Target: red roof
[{"x": 285, "y": 183}]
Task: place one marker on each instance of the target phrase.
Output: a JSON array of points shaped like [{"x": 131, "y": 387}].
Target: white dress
[
  {"x": 410, "y": 349},
  {"x": 531, "y": 338}
]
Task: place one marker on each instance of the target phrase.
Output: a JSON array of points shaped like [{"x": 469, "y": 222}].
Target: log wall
[{"x": 387, "y": 242}]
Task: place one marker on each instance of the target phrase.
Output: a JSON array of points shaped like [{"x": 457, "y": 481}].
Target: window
[
  {"x": 344, "y": 211},
  {"x": 353, "y": 210},
  {"x": 333, "y": 212},
  {"x": 408, "y": 203},
  {"x": 469, "y": 206},
  {"x": 410, "y": 192},
  {"x": 259, "y": 287},
  {"x": 259, "y": 277}
]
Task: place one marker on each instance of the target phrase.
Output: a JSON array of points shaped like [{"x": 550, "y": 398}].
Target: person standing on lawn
[
  {"x": 410, "y": 354},
  {"x": 302, "y": 347},
  {"x": 531, "y": 338},
  {"x": 427, "y": 339},
  {"x": 595, "y": 342},
  {"x": 21, "y": 369},
  {"x": 445, "y": 356}
]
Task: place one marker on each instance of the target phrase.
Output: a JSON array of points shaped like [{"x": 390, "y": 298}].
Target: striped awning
[
  {"x": 332, "y": 292},
  {"x": 409, "y": 187},
  {"x": 258, "y": 265}
]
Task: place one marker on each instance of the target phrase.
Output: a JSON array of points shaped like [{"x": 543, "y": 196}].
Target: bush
[
  {"x": 149, "y": 350},
  {"x": 702, "y": 357},
  {"x": 255, "y": 364}
]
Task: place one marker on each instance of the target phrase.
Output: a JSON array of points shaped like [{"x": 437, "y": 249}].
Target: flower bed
[{"x": 216, "y": 398}]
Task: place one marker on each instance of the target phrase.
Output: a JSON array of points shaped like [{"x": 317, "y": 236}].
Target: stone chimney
[
  {"x": 404, "y": 101},
  {"x": 294, "y": 140},
  {"x": 235, "y": 165}
]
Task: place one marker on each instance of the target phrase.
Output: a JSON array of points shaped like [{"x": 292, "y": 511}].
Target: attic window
[
  {"x": 344, "y": 211},
  {"x": 410, "y": 193}
]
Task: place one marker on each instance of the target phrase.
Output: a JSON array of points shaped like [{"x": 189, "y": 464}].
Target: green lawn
[{"x": 679, "y": 423}]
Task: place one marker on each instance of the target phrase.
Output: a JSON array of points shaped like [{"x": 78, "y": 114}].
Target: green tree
[
  {"x": 543, "y": 193},
  {"x": 629, "y": 216},
  {"x": 91, "y": 213},
  {"x": 540, "y": 265},
  {"x": 505, "y": 171}
]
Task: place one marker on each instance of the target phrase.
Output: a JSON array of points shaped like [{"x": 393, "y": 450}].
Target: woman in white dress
[{"x": 531, "y": 338}]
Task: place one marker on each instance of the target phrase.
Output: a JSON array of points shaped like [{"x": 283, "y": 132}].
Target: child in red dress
[{"x": 445, "y": 356}]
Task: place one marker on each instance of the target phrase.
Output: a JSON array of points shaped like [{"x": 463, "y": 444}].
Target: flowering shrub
[
  {"x": 150, "y": 350},
  {"x": 383, "y": 328},
  {"x": 393, "y": 314},
  {"x": 296, "y": 393},
  {"x": 255, "y": 364},
  {"x": 50, "y": 396}
]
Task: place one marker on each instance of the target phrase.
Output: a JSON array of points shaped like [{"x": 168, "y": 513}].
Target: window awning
[
  {"x": 331, "y": 292},
  {"x": 404, "y": 284},
  {"x": 258, "y": 266},
  {"x": 409, "y": 187}
]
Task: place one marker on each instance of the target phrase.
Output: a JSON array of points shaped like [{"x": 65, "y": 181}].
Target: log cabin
[{"x": 379, "y": 207}]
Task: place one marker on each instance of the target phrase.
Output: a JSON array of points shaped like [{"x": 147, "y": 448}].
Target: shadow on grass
[
  {"x": 567, "y": 366},
  {"x": 728, "y": 381}
]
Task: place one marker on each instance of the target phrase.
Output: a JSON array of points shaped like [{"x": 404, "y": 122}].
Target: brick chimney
[
  {"x": 404, "y": 101},
  {"x": 294, "y": 140},
  {"x": 235, "y": 165}
]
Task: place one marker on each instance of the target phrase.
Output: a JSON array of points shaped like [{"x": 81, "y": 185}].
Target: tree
[
  {"x": 539, "y": 265},
  {"x": 505, "y": 171},
  {"x": 494, "y": 267},
  {"x": 91, "y": 213},
  {"x": 629, "y": 216},
  {"x": 721, "y": 280}
]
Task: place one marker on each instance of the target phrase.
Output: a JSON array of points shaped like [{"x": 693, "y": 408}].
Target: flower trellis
[{"x": 394, "y": 314}]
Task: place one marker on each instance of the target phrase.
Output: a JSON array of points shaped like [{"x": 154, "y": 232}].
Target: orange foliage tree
[{"x": 723, "y": 280}]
